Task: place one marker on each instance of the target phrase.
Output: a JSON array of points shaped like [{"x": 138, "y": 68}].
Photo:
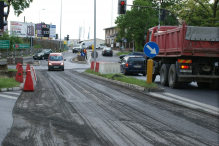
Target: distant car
[
  {"x": 56, "y": 62},
  {"x": 100, "y": 46},
  {"x": 42, "y": 54},
  {"x": 77, "y": 48},
  {"x": 107, "y": 51},
  {"x": 133, "y": 53},
  {"x": 132, "y": 64}
]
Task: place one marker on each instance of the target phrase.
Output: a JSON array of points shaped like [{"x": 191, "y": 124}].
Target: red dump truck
[{"x": 186, "y": 54}]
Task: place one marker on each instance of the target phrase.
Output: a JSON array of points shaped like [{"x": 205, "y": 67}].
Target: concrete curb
[
  {"x": 145, "y": 91},
  {"x": 10, "y": 89}
]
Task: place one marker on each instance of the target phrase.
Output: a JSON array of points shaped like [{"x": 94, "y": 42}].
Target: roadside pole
[
  {"x": 94, "y": 30},
  {"x": 149, "y": 71},
  {"x": 31, "y": 45}
]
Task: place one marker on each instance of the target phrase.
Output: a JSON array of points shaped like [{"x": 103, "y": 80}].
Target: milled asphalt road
[{"x": 70, "y": 108}]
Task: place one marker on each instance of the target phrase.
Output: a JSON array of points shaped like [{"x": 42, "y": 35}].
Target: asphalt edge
[{"x": 145, "y": 91}]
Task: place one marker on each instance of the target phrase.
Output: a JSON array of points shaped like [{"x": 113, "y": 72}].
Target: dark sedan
[
  {"x": 42, "y": 54},
  {"x": 133, "y": 53},
  {"x": 132, "y": 64},
  {"x": 107, "y": 51}
]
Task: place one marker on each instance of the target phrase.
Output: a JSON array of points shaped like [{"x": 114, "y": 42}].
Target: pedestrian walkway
[
  {"x": 10, "y": 95},
  {"x": 7, "y": 102}
]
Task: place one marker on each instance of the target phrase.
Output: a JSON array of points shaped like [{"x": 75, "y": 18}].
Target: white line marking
[
  {"x": 7, "y": 96},
  {"x": 192, "y": 101},
  {"x": 13, "y": 93}
]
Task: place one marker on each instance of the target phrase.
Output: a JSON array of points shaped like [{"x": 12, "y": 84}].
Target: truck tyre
[
  {"x": 173, "y": 78},
  {"x": 164, "y": 74}
]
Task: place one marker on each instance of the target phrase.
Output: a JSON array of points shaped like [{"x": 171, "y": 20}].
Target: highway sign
[
  {"x": 4, "y": 44},
  {"x": 151, "y": 49},
  {"x": 125, "y": 40},
  {"x": 21, "y": 46},
  {"x": 92, "y": 54}
]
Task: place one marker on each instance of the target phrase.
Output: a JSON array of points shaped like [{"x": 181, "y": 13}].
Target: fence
[{"x": 127, "y": 46}]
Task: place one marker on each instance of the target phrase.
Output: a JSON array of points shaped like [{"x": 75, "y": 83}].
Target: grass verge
[
  {"x": 122, "y": 53},
  {"x": 6, "y": 82},
  {"x": 123, "y": 78}
]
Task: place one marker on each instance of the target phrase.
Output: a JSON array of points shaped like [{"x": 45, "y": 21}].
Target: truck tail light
[
  {"x": 184, "y": 67},
  {"x": 126, "y": 65}
]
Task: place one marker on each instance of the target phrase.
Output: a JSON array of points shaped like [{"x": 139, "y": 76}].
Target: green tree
[
  {"x": 198, "y": 12},
  {"x": 132, "y": 25},
  {"x": 18, "y": 6},
  {"x": 13, "y": 40}
]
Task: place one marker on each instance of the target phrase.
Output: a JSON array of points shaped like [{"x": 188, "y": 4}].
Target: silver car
[{"x": 77, "y": 48}]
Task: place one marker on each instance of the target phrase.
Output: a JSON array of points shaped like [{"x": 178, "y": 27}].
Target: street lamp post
[
  {"x": 39, "y": 14},
  {"x": 60, "y": 24}
]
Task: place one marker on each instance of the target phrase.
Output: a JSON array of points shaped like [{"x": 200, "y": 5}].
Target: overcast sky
[{"x": 75, "y": 13}]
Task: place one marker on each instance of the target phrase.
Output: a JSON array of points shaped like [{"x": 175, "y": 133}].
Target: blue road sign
[
  {"x": 125, "y": 40},
  {"x": 151, "y": 49},
  {"x": 82, "y": 54}
]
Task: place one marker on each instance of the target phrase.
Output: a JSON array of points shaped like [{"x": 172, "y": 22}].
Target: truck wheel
[
  {"x": 173, "y": 78},
  {"x": 164, "y": 74}
]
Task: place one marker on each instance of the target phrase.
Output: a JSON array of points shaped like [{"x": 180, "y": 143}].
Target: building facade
[{"x": 110, "y": 34}]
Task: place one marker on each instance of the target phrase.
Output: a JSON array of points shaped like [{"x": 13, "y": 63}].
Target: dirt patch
[
  {"x": 116, "y": 76},
  {"x": 32, "y": 63}
]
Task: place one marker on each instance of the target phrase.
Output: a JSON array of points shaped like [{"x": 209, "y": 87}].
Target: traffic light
[
  {"x": 57, "y": 36},
  {"x": 2, "y": 14},
  {"x": 163, "y": 14},
  {"x": 67, "y": 37},
  {"x": 121, "y": 6}
]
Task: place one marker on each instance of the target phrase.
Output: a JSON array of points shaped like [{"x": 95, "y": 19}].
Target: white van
[
  {"x": 100, "y": 46},
  {"x": 87, "y": 45}
]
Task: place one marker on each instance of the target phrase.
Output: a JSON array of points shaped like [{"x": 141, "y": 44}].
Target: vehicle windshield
[
  {"x": 40, "y": 51},
  {"x": 77, "y": 45},
  {"x": 136, "y": 60},
  {"x": 55, "y": 58},
  {"x": 108, "y": 48}
]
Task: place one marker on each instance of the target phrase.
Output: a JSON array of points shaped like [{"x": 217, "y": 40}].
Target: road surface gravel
[{"x": 70, "y": 108}]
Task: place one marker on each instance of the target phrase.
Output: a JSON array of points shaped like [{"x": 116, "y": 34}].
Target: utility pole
[
  {"x": 60, "y": 24},
  {"x": 94, "y": 30}
]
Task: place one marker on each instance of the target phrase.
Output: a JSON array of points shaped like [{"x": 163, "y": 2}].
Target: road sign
[
  {"x": 151, "y": 49},
  {"x": 125, "y": 40},
  {"x": 92, "y": 54},
  {"x": 82, "y": 54},
  {"x": 21, "y": 46},
  {"x": 4, "y": 44}
]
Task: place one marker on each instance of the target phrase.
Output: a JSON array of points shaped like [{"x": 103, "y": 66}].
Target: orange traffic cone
[
  {"x": 27, "y": 67},
  {"x": 28, "y": 85},
  {"x": 17, "y": 65},
  {"x": 19, "y": 75}
]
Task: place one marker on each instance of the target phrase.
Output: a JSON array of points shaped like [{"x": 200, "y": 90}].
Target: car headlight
[
  {"x": 50, "y": 63},
  {"x": 62, "y": 63}
]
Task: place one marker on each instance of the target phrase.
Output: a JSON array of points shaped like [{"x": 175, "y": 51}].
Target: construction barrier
[
  {"x": 93, "y": 65},
  {"x": 19, "y": 75},
  {"x": 109, "y": 68},
  {"x": 34, "y": 73},
  {"x": 97, "y": 67},
  {"x": 33, "y": 78},
  {"x": 27, "y": 67},
  {"x": 29, "y": 84}
]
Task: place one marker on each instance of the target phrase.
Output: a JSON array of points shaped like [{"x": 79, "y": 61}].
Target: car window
[
  {"x": 136, "y": 60},
  {"x": 77, "y": 46},
  {"x": 39, "y": 51},
  {"x": 107, "y": 48},
  {"x": 55, "y": 58}
]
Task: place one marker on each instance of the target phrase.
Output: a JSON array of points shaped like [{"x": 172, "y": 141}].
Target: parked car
[
  {"x": 133, "y": 53},
  {"x": 100, "y": 46},
  {"x": 107, "y": 51},
  {"x": 56, "y": 61},
  {"x": 77, "y": 48},
  {"x": 132, "y": 64},
  {"x": 42, "y": 54}
]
